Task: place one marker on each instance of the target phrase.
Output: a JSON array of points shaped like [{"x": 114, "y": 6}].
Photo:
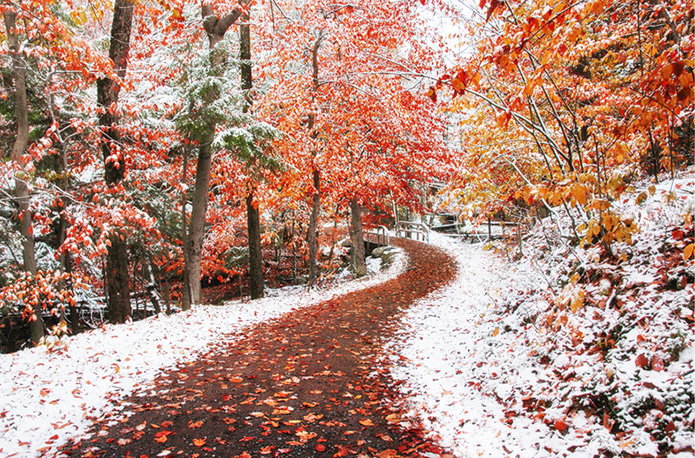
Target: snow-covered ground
[
  {"x": 497, "y": 365},
  {"x": 493, "y": 364},
  {"x": 52, "y": 394}
]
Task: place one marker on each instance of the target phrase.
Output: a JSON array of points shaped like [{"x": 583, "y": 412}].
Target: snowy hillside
[{"x": 499, "y": 365}]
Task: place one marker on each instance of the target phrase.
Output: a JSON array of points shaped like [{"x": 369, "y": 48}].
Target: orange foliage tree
[
  {"x": 343, "y": 88},
  {"x": 579, "y": 99}
]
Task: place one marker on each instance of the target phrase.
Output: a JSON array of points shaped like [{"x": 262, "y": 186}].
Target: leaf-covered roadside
[
  {"x": 302, "y": 385},
  {"x": 563, "y": 353}
]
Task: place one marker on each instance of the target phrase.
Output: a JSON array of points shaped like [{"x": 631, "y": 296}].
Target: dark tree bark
[
  {"x": 252, "y": 212},
  {"x": 117, "y": 279},
  {"x": 21, "y": 190},
  {"x": 357, "y": 239},
  {"x": 255, "y": 256}
]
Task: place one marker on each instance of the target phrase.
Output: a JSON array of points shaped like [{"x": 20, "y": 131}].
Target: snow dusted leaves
[{"x": 499, "y": 365}]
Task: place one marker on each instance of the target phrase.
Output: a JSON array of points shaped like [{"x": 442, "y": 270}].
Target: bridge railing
[
  {"x": 409, "y": 229},
  {"x": 379, "y": 236}
]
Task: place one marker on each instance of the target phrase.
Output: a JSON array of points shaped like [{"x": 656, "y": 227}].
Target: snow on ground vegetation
[
  {"x": 53, "y": 393},
  {"x": 564, "y": 353}
]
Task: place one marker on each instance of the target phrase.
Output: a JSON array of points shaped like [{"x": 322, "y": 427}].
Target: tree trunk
[
  {"x": 357, "y": 239},
  {"x": 312, "y": 231},
  {"x": 215, "y": 27},
  {"x": 196, "y": 228},
  {"x": 21, "y": 191},
  {"x": 255, "y": 255},
  {"x": 252, "y": 213},
  {"x": 118, "y": 285},
  {"x": 312, "y": 234}
]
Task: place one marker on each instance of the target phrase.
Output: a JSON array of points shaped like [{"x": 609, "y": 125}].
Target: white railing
[
  {"x": 380, "y": 235},
  {"x": 409, "y": 228}
]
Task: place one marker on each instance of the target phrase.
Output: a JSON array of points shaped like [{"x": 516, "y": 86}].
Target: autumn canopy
[{"x": 156, "y": 153}]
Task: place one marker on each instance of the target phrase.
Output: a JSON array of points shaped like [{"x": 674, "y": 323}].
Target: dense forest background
[{"x": 149, "y": 148}]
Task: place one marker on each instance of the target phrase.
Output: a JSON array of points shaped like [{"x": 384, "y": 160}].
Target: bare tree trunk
[
  {"x": 255, "y": 255},
  {"x": 357, "y": 239},
  {"x": 196, "y": 228},
  {"x": 118, "y": 281},
  {"x": 252, "y": 213},
  {"x": 312, "y": 231},
  {"x": 187, "y": 294},
  {"x": 21, "y": 191}
]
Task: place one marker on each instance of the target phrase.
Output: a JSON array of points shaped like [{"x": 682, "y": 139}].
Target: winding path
[{"x": 304, "y": 385}]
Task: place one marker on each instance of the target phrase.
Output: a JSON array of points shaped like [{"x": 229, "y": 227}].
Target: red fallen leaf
[
  {"x": 267, "y": 450},
  {"x": 607, "y": 422},
  {"x": 320, "y": 447},
  {"x": 342, "y": 451},
  {"x": 166, "y": 424},
  {"x": 657, "y": 363},
  {"x": 246, "y": 439},
  {"x": 390, "y": 453},
  {"x": 161, "y": 436},
  {"x": 641, "y": 361},
  {"x": 393, "y": 418},
  {"x": 560, "y": 425},
  {"x": 44, "y": 391},
  {"x": 236, "y": 379},
  {"x": 243, "y": 455},
  {"x": 199, "y": 442}
]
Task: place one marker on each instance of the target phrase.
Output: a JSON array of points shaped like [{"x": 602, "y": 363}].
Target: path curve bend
[{"x": 304, "y": 385}]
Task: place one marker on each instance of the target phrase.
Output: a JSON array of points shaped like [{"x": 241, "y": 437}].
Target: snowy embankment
[
  {"x": 52, "y": 395},
  {"x": 496, "y": 366}
]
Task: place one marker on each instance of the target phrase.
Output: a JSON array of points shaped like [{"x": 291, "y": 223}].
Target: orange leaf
[
  {"x": 366, "y": 422},
  {"x": 198, "y": 442},
  {"x": 688, "y": 251},
  {"x": 320, "y": 447}
]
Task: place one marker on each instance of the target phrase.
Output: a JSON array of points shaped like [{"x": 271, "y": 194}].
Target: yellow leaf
[
  {"x": 579, "y": 193},
  {"x": 577, "y": 301},
  {"x": 495, "y": 332},
  {"x": 688, "y": 252}
]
